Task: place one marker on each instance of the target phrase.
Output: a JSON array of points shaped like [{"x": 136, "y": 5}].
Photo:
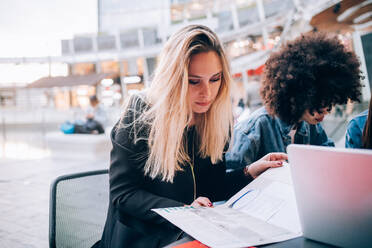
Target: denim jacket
[
  {"x": 262, "y": 133},
  {"x": 355, "y": 129}
]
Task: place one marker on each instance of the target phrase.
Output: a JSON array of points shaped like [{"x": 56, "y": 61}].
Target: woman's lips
[
  {"x": 319, "y": 119},
  {"x": 203, "y": 103}
]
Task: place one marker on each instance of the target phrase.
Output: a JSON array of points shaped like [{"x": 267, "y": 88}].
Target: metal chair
[{"x": 78, "y": 208}]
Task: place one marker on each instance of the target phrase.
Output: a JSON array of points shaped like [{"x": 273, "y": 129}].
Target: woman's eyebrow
[
  {"x": 196, "y": 76},
  {"x": 217, "y": 74}
]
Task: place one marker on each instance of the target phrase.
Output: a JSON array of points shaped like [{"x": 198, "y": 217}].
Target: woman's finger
[
  {"x": 278, "y": 156},
  {"x": 204, "y": 201},
  {"x": 274, "y": 164}
]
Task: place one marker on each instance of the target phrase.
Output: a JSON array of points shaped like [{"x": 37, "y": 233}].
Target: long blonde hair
[{"x": 169, "y": 112}]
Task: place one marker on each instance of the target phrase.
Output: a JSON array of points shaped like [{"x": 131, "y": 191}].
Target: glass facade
[
  {"x": 118, "y": 15},
  {"x": 248, "y": 14},
  {"x": 83, "y": 44},
  {"x": 106, "y": 42},
  {"x": 225, "y": 21},
  {"x": 190, "y": 10},
  {"x": 65, "y": 46},
  {"x": 273, "y": 7},
  {"x": 150, "y": 36},
  {"x": 83, "y": 68},
  {"x": 129, "y": 39},
  {"x": 125, "y": 27}
]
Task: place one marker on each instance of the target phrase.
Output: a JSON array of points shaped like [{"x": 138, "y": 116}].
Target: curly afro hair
[{"x": 312, "y": 72}]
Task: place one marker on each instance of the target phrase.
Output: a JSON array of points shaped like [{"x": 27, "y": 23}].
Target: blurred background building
[
  {"x": 121, "y": 57},
  {"x": 130, "y": 36}
]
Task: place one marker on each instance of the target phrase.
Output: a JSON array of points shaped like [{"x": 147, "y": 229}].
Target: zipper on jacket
[
  {"x": 179, "y": 235},
  {"x": 193, "y": 177},
  {"x": 192, "y": 162}
]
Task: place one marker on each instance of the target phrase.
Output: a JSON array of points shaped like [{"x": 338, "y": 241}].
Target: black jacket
[{"x": 130, "y": 221}]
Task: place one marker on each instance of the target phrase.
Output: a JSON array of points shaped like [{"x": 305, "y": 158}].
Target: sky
[{"x": 35, "y": 27}]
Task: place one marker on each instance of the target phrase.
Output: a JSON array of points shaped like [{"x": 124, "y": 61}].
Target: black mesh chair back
[{"x": 78, "y": 208}]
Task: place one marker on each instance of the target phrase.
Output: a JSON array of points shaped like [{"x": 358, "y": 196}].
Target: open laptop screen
[{"x": 333, "y": 189}]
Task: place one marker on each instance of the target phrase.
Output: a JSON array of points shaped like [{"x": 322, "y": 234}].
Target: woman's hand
[
  {"x": 270, "y": 160},
  {"x": 202, "y": 202}
]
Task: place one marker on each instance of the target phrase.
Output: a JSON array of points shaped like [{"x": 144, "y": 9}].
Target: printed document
[{"x": 263, "y": 212}]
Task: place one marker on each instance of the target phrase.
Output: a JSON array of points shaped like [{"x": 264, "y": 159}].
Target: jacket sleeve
[
  {"x": 126, "y": 191},
  {"x": 246, "y": 144},
  {"x": 353, "y": 137}
]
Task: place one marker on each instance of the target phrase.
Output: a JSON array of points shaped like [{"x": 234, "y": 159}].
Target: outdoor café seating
[{"x": 77, "y": 209}]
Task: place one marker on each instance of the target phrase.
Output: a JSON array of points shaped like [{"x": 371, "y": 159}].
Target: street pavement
[{"x": 24, "y": 196}]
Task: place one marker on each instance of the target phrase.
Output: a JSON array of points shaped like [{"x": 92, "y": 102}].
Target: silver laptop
[{"x": 333, "y": 189}]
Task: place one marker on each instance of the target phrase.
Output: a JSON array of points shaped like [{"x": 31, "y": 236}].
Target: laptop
[{"x": 333, "y": 189}]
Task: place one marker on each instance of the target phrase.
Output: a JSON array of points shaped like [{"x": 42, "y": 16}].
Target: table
[{"x": 300, "y": 242}]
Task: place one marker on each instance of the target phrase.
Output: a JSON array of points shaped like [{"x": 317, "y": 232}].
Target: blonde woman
[{"x": 168, "y": 148}]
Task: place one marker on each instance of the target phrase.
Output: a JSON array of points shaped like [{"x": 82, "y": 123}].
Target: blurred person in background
[
  {"x": 96, "y": 116},
  {"x": 169, "y": 145},
  {"x": 95, "y": 119},
  {"x": 358, "y": 133},
  {"x": 302, "y": 81}
]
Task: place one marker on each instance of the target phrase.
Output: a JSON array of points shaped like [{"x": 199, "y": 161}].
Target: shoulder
[
  {"x": 359, "y": 120},
  {"x": 137, "y": 103},
  {"x": 134, "y": 107},
  {"x": 354, "y": 130},
  {"x": 256, "y": 120}
]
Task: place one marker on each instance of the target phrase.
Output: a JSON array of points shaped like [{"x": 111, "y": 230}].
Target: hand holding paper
[{"x": 271, "y": 160}]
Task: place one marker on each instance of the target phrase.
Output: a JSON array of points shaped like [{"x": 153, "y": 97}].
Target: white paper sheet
[{"x": 262, "y": 212}]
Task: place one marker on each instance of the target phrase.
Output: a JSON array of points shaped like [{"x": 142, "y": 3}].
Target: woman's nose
[{"x": 205, "y": 90}]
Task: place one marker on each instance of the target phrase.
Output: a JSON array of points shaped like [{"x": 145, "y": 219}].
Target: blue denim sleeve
[
  {"x": 322, "y": 138},
  {"x": 353, "y": 137},
  {"x": 245, "y": 147}
]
